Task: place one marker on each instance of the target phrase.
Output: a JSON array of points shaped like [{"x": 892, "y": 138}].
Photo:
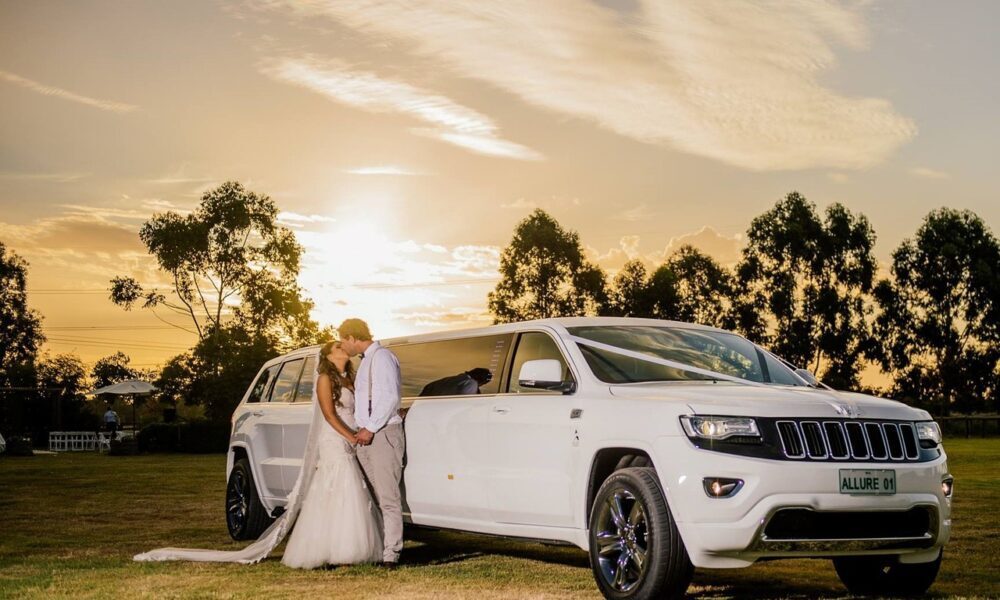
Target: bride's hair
[{"x": 338, "y": 380}]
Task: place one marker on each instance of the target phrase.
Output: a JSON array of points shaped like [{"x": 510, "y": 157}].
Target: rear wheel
[
  {"x": 635, "y": 549},
  {"x": 246, "y": 517},
  {"x": 885, "y": 575}
]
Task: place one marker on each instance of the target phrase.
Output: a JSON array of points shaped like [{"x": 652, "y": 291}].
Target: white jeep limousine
[{"x": 655, "y": 446}]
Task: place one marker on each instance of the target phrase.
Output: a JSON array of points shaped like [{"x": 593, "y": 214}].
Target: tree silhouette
[
  {"x": 544, "y": 274},
  {"x": 233, "y": 273},
  {"x": 20, "y": 327},
  {"x": 939, "y": 314},
  {"x": 703, "y": 287},
  {"x": 804, "y": 283},
  {"x": 229, "y": 253}
]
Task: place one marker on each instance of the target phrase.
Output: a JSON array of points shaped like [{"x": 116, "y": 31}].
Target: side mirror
[
  {"x": 808, "y": 376},
  {"x": 544, "y": 374}
]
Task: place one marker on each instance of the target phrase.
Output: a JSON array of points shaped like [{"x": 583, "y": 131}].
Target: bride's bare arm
[{"x": 324, "y": 393}]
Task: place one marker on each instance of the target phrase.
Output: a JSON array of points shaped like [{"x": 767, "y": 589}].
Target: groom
[{"x": 377, "y": 393}]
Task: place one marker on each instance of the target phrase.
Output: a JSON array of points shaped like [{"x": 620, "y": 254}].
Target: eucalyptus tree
[
  {"x": 231, "y": 271},
  {"x": 804, "y": 286},
  {"x": 20, "y": 327},
  {"x": 702, "y": 287},
  {"x": 939, "y": 314},
  {"x": 544, "y": 273}
]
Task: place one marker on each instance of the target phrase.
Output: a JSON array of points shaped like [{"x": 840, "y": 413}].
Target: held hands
[{"x": 364, "y": 436}]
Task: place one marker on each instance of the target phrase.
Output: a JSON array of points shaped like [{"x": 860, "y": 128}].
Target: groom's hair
[{"x": 355, "y": 328}]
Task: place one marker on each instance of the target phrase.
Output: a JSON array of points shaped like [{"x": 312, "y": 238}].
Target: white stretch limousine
[{"x": 656, "y": 446}]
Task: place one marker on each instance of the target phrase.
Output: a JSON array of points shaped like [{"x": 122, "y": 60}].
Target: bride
[{"x": 336, "y": 521}]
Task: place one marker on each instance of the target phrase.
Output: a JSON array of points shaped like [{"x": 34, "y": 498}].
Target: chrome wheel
[
  {"x": 237, "y": 503},
  {"x": 622, "y": 538}
]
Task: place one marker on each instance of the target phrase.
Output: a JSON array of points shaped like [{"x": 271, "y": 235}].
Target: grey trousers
[{"x": 382, "y": 461}]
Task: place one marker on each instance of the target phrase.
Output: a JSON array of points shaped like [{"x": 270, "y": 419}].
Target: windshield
[{"x": 717, "y": 351}]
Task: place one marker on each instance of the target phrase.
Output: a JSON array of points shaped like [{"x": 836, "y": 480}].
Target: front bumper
[{"x": 732, "y": 532}]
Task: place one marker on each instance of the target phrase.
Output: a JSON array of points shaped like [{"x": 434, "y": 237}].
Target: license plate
[{"x": 874, "y": 482}]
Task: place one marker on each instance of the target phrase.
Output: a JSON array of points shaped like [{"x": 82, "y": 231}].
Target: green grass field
[{"x": 69, "y": 525}]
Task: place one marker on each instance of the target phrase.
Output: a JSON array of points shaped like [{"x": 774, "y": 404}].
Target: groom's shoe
[{"x": 389, "y": 564}]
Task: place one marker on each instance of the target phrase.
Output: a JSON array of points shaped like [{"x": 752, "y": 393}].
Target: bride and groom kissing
[{"x": 346, "y": 506}]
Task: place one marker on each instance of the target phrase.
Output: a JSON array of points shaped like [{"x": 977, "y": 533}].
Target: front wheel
[
  {"x": 246, "y": 517},
  {"x": 885, "y": 575},
  {"x": 635, "y": 549}
]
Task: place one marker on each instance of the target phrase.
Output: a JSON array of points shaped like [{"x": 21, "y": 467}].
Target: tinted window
[
  {"x": 287, "y": 381},
  {"x": 304, "y": 392},
  {"x": 535, "y": 345},
  {"x": 260, "y": 386},
  {"x": 453, "y": 367},
  {"x": 779, "y": 373},
  {"x": 716, "y": 351}
]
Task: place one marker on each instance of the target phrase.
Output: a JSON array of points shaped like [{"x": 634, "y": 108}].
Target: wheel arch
[
  {"x": 238, "y": 450},
  {"x": 607, "y": 460}
]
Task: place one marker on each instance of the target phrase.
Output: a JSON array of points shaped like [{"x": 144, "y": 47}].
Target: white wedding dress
[
  {"x": 336, "y": 521},
  {"x": 339, "y": 523}
]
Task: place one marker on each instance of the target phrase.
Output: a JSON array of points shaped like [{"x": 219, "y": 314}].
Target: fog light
[
  {"x": 947, "y": 485},
  {"x": 722, "y": 487}
]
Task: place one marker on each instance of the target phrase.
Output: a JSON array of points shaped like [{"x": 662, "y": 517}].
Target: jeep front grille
[{"x": 850, "y": 440}]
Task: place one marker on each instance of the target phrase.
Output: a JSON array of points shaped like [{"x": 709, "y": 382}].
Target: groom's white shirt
[{"x": 386, "y": 389}]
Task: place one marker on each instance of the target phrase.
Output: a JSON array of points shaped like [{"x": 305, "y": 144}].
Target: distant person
[
  {"x": 111, "y": 422},
  {"x": 463, "y": 384}
]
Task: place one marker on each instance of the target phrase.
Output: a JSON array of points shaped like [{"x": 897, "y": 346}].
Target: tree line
[{"x": 808, "y": 287}]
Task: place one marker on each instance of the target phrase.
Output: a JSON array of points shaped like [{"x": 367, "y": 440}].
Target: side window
[
  {"x": 535, "y": 345},
  {"x": 305, "y": 389},
  {"x": 260, "y": 386},
  {"x": 453, "y": 367},
  {"x": 287, "y": 381}
]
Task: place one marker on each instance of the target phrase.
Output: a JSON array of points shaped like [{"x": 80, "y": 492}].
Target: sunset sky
[{"x": 404, "y": 141}]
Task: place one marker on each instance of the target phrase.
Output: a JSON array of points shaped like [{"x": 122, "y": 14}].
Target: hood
[{"x": 723, "y": 398}]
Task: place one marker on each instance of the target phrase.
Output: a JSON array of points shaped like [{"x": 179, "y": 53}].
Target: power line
[{"x": 479, "y": 280}]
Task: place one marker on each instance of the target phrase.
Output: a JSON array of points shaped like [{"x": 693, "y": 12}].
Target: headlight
[
  {"x": 928, "y": 431},
  {"x": 719, "y": 428}
]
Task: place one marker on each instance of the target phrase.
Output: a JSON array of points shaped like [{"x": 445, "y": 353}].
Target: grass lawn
[{"x": 69, "y": 525}]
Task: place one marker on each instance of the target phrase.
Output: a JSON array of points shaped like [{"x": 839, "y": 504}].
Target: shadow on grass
[{"x": 436, "y": 547}]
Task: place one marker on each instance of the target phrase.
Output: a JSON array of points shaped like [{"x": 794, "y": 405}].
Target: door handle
[
  {"x": 258, "y": 413},
  {"x": 502, "y": 410}
]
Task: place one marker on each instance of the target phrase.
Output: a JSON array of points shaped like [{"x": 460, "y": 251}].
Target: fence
[
  {"x": 77, "y": 441},
  {"x": 979, "y": 426}
]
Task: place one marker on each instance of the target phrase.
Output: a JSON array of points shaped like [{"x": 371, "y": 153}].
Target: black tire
[
  {"x": 246, "y": 517},
  {"x": 886, "y": 576},
  {"x": 643, "y": 538}
]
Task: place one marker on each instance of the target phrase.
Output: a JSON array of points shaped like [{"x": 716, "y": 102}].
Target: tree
[
  {"x": 637, "y": 293},
  {"x": 544, "y": 274},
  {"x": 233, "y": 271},
  {"x": 62, "y": 385},
  {"x": 703, "y": 287},
  {"x": 939, "y": 314},
  {"x": 804, "y": 282},
  {"x": 229, "y": 253},
  {"x": 113, "y": 369},
  {"x": 20, "y": 327}
]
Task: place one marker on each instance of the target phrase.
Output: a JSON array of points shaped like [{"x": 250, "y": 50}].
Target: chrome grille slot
[
  {"x": 814, "y": 442},
  {"x": 791, "y": 440},
  {"x": 876, "y": 441},
  {"x": 909, "y": 435},
  {"x": 857, "y": 438},
  {"x": 893, "y": 441},
  {"x": 836, "y": 440},
  {"x": 848, "y": 440}
]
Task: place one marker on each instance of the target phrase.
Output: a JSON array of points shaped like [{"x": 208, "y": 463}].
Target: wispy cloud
[
  {"x": 297, "y": 218},
  {"x": 55, "y": 176},
  {"x": 49, "y": 90},
  {"x": 728, "y": 80},
  {"x": 926, "y": 173},
  {"x": 382, "y": 170},
  {"x": 444, "y": 119},
  {"x": 636, "y": 213}
]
